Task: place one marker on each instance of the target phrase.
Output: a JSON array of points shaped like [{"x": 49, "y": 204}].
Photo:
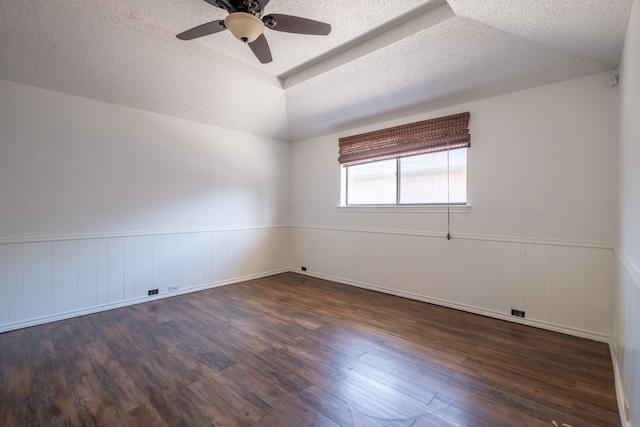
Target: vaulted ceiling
[{"x": 382, "y": 58}]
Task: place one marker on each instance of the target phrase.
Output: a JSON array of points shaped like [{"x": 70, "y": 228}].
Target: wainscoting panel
[
  {"x": 186, "y": 263},
  {"x": 214, "y": 258},
  {"x": 480, "y": 267},
  {"x": 170, "y": 261},
  {"x": 579, "y": 305},
  {"x": 600, "y": 271},
  {"x": 15, "y": 283},
  {"x": 538, "y": 265},
  {"x": 61, "y": 277},
  {"x": 199, "y": 263},
  {"x": 235, "y": 248},
  {"x": 128, "y": 286},
  {"x": 513, "y": 277},
  {"x": 4, "y": 296},
  {"x": 563, "y": 286},
  {"x": 66, "y": 290},
  {"x": 143, "y": 265},
  {"x": 102, "y": 289},
  {"x": 156, "y": 267},
  {"x": 625, "y": 337},
  {"x": 115, "y": 270},
  {"x": 87, "y": 274},
  {"x": 37, "y": 279}
]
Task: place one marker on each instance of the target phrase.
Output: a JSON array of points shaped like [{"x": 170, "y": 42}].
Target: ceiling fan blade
[
  {"x": 261, "y": 50},
  {"x": 295, "y": 24},
  {"x": 203, "y": 30}
]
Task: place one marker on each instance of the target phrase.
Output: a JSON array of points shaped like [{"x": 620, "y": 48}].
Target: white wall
[
  {"x": 626, "y": 310},
  {"x": 538, "y": 236},
  {"x": 70, "y": 165},
  {"x": 99, "y": 203}
]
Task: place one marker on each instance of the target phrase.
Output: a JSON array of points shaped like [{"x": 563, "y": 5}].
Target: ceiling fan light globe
[{"x": 244, "y": 26}]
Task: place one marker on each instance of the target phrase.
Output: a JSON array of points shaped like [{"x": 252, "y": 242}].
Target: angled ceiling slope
[{"x": 381, "y": 58}]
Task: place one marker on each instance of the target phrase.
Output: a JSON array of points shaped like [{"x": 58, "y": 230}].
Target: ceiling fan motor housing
[{"x": 244, "y": 26}]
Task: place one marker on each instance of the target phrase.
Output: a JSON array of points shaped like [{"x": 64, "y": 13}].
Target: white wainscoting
[
  {"x": 625, "y": 337},
  {"x": 561, "y": 286},
  {"x": 47, "y": 279}
]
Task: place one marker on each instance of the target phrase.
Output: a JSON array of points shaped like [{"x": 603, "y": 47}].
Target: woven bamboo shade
[{"x": 440, "y": 134}]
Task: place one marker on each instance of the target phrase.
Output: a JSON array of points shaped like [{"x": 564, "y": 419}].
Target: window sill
[{"x": 405, "y": 208}]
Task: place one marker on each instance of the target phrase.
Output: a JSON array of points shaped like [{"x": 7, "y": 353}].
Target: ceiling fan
[{"x": 247, "y": 23}]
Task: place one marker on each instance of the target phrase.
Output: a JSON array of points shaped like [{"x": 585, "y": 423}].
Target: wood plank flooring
[{"x": 290, "y": 350}]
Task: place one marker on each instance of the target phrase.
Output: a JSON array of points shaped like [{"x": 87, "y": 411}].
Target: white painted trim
[
  {"x": 105, "y": 307},
  {"x": 620, "y": 396},
  {"x": 57, "y": 238},
  {"x": 404, "y": 208},
  {"x": 463, "y": 307},
  {"x": 532, "y": 241},
  {"x": 509, "y": 239},
  {"x": 486, "y": 238}
]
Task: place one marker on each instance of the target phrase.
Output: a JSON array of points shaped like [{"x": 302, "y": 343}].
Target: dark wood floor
[{"x": 290, "y": 350}]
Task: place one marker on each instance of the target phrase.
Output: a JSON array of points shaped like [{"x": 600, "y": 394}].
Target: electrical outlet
[
  {"x": 173, "y": 288},
  {"x": 517, "y": 313},
  {"x": 304, "y": 268},
  {"x": 153, "y": 292}
]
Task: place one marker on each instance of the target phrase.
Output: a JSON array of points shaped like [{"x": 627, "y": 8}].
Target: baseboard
[
  {"x": 134, "y": 301},
  {"x": 463, "y": 307},
  {"x": 619, "y": 389}
]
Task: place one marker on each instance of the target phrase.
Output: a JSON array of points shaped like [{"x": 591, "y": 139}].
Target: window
[
  {"x": 418, "y": 163},
  {"x": 422, "y": 179}
]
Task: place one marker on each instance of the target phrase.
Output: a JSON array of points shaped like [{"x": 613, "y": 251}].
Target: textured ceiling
[{"x": 381, "y": 58}]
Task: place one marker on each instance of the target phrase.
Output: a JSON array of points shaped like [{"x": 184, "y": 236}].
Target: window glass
[
  {"x": 424, "y": 179},
  {"x": 372, "y": 183}
]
